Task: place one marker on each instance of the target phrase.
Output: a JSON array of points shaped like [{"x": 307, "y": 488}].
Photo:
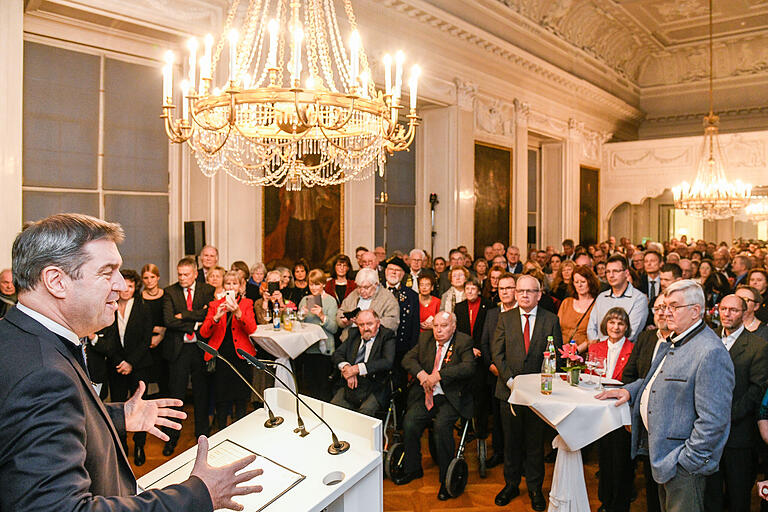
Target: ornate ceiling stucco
[{"x": 658, "y": 42}]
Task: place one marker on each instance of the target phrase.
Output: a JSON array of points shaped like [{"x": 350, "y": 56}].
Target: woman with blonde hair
[{"x": 562, "y": 279}]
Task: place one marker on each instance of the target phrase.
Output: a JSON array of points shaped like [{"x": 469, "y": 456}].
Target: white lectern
[{"x": 359, "y": 469}]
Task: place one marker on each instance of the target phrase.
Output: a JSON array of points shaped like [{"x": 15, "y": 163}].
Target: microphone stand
[
  {"x": 273, "y": 420},
  {"x": 337, "y": 447},
  {"x": 300, "y": 428}
]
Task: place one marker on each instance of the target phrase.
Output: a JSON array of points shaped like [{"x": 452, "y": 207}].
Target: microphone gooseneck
[
  {"x": 300, "y": 429},
  {"x": 337, "y": 447},
  {"x": 273, "y": 420}
]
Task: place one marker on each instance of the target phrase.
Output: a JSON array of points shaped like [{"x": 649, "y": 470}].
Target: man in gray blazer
[
  {"x": 681, "y": 410},
  {"x": 59, "y": 445}
]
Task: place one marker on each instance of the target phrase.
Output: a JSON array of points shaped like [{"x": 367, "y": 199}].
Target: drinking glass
[
  {"x": 591, "y": 363},
  {"x": 600, "y": 368}
]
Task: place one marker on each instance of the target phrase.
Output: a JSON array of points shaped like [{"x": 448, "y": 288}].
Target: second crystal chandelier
[{"x": 298, "y": 107}]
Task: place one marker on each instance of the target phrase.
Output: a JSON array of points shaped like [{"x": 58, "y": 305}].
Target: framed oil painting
[
  {"x": 307, "y": 224},
  {"x": 493, "y": 172}
]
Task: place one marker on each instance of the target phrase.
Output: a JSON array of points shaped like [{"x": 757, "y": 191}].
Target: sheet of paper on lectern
[{"x": 275, "y": 481}]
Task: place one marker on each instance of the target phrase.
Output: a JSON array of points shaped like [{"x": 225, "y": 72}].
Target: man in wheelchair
[
  {"x": 364, "y": 360},
  {"x": 443, "y": 364}
]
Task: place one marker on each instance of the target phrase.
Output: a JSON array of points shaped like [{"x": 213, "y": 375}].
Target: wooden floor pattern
[{"x": 421, "y": 495}]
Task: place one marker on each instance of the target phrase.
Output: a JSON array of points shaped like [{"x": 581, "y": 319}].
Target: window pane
[
  {"x": 145, "y": 221},
  {"x": 61, "y": 115},
  {"x": 400, "y": 228},
  {"x": 532, "y": 180},
  {"x": 38, "y": 205},
  {"x": 401, "y": 177},
  {"x": 135, "y": 144}
]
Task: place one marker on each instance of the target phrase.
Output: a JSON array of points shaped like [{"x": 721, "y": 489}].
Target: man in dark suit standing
[
  {"x": 639, "y": 363},
  {"x": 185, "y": 305},
  {"x": 364, "y": 360},
  {"x": 443, "y": 364},
  {"x": 209, "y": 259},
  {"x": 517, "y": 349},
  {"x": 738, "y": 465},
  {"x": 60, "y": 444}
]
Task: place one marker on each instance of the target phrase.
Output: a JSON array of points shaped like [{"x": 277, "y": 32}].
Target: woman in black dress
[
  {"x": 228, "y": 325},
  {"x": 153, "y": 299}
]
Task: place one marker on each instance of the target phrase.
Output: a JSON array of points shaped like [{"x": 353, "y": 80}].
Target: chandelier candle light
[
  {"x": 263, "y": 127},
  {"x": 711, "y": 196}
]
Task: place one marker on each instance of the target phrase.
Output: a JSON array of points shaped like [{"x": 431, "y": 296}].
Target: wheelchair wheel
[
  {"x": 482, "y": 455},
  {"x": 432, "y": 445},
  {"x": 456, "y": 477},
  {"x": 394, "y": 461}
]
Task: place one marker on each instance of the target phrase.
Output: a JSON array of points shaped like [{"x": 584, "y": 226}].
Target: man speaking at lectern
[{"x": 59, "y": 445}]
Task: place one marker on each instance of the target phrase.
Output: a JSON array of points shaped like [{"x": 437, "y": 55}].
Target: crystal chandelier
[
  {"x": 711, "y": 196},
  {"x": 757, "y": 209},
  {"x": 298, "y": 107}
]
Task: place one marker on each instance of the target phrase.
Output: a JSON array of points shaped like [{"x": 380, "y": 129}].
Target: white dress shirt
[
  {"x": 729, "y": 340},
  {"x": 122, "y": 320},
  {"x": 614, "y": 349},
  {"x": 361, "y": 366},
  {"x": 438, "y": 389},
  {"x": 647, "y": 391},
  {"x": 49, "y": 324},
  {"x": 531, "y": 320}
]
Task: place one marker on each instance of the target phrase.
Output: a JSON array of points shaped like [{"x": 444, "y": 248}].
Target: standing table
[
  {"x": 287, "y": 345},
  {"x": 579, "y": 419}
]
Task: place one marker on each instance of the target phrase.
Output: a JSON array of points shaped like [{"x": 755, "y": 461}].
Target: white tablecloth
[
  {"x": 579, "y": 419},
  {"x": 287, "y": 345}
]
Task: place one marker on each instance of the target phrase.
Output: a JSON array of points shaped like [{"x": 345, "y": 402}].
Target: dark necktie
[
  {"x": 360, "y": 358},
  {"x": 78, "y": 352},
  {"x": 652, "y": 291},
  {"x": 527, "y": 333}
]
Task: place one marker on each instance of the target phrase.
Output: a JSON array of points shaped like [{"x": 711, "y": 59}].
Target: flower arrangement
[{"x": 572, "y": 358}]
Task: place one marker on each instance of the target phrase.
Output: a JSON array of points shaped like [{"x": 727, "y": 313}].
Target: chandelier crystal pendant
[
  {"x": 757, "y": 209},
  {"x": 711, "y": 196},
  {"x": 278, "y": 123}
]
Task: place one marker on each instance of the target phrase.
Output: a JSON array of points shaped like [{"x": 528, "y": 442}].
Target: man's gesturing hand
[
  {"x": 223, "y": 483},
  {"x": 149, "y": 415}
]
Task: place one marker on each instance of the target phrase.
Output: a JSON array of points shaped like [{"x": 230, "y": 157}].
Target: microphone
[
  {"x": 337, "y": 447},
  {"x": 273, "y": 420},
  {"x": 300, "y": 428}
]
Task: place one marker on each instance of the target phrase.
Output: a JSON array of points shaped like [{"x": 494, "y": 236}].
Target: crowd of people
[{"x": 449, "y": 336}]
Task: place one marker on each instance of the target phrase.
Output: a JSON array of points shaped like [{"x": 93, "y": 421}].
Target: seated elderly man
[
  {"x": 369, "y": 294},
  {"x": 444, "y": 365},
  {"x": 364, "y": 360}
]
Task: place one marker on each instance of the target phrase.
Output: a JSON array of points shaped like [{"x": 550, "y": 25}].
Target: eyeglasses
[
  {"x": 675, "y": 307},
  {"x": 522, "y": 291}
]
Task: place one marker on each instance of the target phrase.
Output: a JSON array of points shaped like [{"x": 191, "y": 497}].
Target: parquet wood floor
[{"x": 421, "y": 495}]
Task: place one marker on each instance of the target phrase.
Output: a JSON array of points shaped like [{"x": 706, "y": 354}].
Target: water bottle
[
  {"x": 276, "y": 317},
  {"x": 551, "y": 346},
  {"x": 547, "y": 375},
  {"x": 323, "y": 346}
]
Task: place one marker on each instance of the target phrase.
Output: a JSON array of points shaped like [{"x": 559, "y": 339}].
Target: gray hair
[
  {"x": 58, "y": 240},
  {"x": 258, "y": 267},
  {"x": 272, "y": 274},
  {"x": 366, "y": 276},
  {"x": 691, "y": 290},
  {"x": 417, "y": 252}
]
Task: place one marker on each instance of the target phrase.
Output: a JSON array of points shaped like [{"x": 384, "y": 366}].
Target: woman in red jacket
[
  {"x": 228, "y": 325},
  {"x": 615, "y": 485}
]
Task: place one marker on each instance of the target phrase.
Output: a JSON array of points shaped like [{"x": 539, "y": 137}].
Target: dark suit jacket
[
  {"x": 409, "y": 327},
  {"x": 59, "y": 445},
  {"x": 749, "y": 354},
  {"x": 379, "y": 363},
  {"x": 201, "y": 276},
  {"x": 508, "y": 346},
  {"x": 461, "y": 310},
  {"x": 175, "y": 302},
  {"x": 137, "y": 337},
  {"x": 456, "y": 372},
  {"x": 641, "y": 356},
  {"x": 486, "y": 338}
]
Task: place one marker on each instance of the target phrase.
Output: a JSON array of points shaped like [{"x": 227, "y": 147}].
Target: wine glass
[
  {"x": 301, "y": 315},
  {"x": 590, "y": 363},
  {"x": 600, "y": 368}
]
